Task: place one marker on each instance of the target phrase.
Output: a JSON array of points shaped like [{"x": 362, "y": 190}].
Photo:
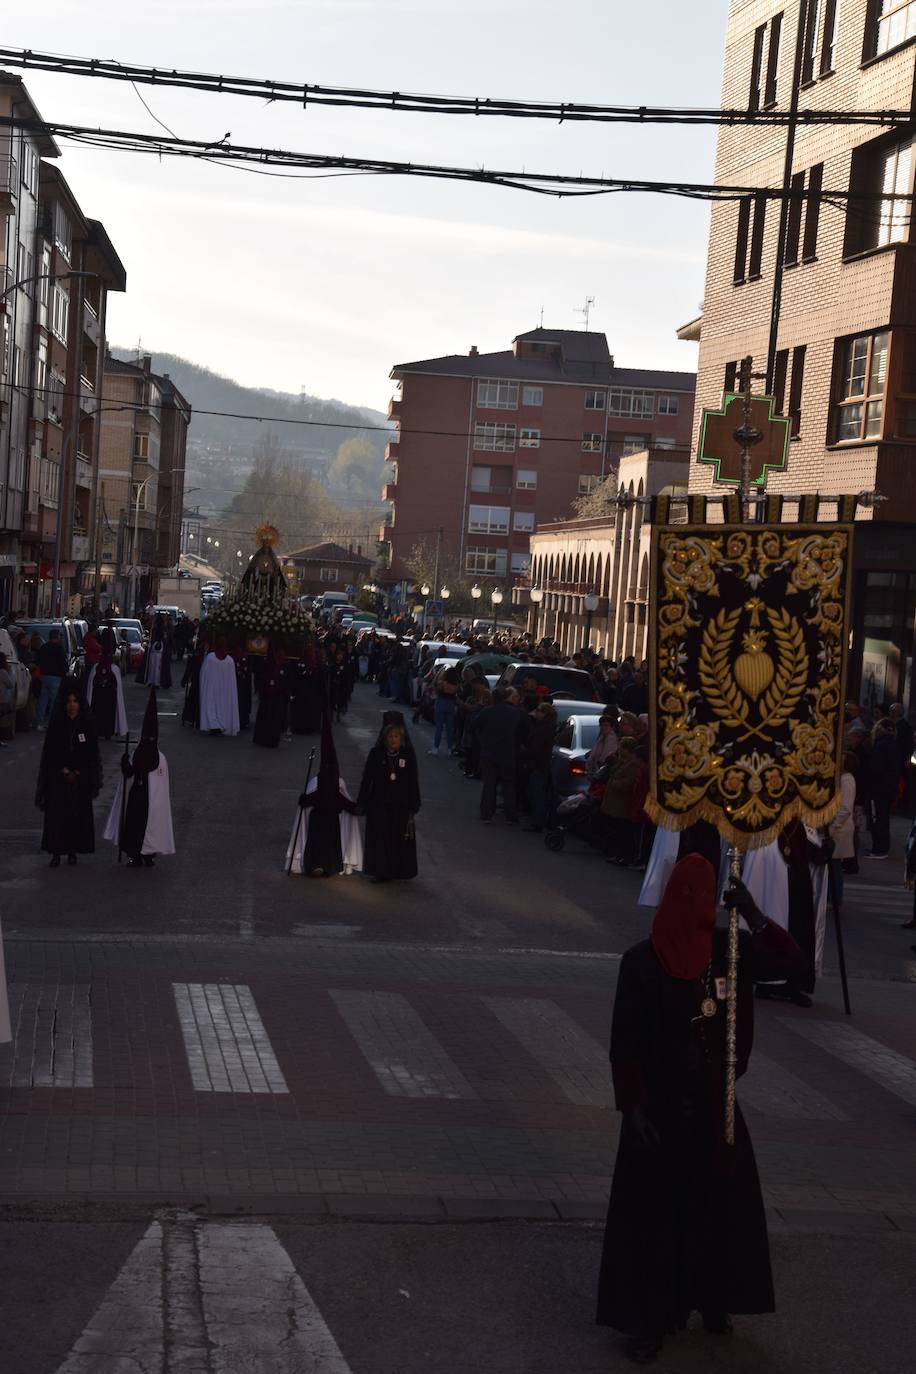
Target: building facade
[
  {"x": 141, "y": 481},
  {"x": 844, "y": 362},
  {"x": 490, "y": 445},
  {"x": 329, "y": 567},
  {"x": 607, "y": 556}
]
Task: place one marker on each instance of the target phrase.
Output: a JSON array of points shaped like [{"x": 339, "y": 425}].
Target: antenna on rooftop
[
  {"x": 585, "y": 310},
  {"x": 139, "y": 349},
  {"x": 541, "y": 321}
]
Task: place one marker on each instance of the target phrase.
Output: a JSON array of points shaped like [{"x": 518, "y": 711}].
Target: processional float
[{"x": 747, "y": 654}]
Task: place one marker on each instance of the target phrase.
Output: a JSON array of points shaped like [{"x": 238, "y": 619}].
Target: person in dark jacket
[
  {"x": 52, "y": 665},
  {"x": 389, "y": 796},
  {"x": 69, "y": 777},
  {"x": 273, "y": 700},
  {"x": 537, "y": 755},
  {"x": 498, "y": 731},
  {"x": 686, "y": 1228},
  {"x": 884, "y": 775}
]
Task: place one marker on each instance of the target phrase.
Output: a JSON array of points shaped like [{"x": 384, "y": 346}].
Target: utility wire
[
  {"x": 540, "y": 183},
  {"x": 562, "y": 112}
]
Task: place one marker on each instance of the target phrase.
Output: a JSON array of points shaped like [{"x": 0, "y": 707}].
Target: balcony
[
  {"x": 91, "y": 327},
  {"x": 394, "y": 408},
  {"x": 79, "y": 547},
  {"x": 390, "y": 491},
  {"x": 83, "y": 471},
  {"x": 391, "y": 449},
  {"x": 384, "y": 534},
  {"x": 87, "y": 394}
]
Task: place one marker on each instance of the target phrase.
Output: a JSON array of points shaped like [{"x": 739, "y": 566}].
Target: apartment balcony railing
[
  {"x": 390, "y": 491},
  {"x": 391, "y": 449},
  {"x": 83, "y": 471},
  {"x": 394, "y": 408},
  {"x": 87, "y": 393}
]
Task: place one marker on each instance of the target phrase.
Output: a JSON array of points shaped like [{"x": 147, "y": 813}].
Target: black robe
[
  {"x": 136, "y": 811},
  {"x": 104, "y": 705},
  {"x": 323, "y": 849},
  {"x": 68, "y": 822},
  {"x": 190, "y": 712},
  {"x": 686, "y": 1228},
  {"x": 273, "y": 700},
  {"x": 390, "y": 796},
  {"x": 243, "y": 686}
]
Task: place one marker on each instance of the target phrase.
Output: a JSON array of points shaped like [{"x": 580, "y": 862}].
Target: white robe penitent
[
  {"x": 219, "y": 695},
  {"x": 159, "y": 837},
  {"x": 351, "y": 840},
  {"x": 120, "y": 709}
]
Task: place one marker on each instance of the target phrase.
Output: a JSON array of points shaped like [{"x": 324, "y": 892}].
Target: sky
[{"x": 326, "y": 284}]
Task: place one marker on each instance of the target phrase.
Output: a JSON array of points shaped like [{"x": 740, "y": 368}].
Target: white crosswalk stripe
[
  {"x": 887, "y": 1068},
  {"x": 206, "y": 1298},
  {"x": 573, "y": 1059},
  {"x": 403, "y": 1053},
  {"x": 227, "y": 1047}
]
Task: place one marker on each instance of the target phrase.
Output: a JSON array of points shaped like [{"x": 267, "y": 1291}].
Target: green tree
[{"x": 358, "y": 468}]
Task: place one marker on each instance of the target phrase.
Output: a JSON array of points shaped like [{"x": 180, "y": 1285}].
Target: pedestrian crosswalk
[{"x": 472, "y": 1049}]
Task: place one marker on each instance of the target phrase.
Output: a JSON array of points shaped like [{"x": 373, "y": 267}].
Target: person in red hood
[{"x": 686, "y": 1229}]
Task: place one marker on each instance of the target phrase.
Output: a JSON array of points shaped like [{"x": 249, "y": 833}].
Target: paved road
[{"x": 214, "y": 1039}]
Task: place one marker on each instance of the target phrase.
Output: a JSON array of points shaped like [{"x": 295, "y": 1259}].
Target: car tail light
[{"x": 577, "y": 768}]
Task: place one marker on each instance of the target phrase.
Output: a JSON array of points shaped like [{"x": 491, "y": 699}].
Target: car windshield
[{"x": 587, "y": 731}]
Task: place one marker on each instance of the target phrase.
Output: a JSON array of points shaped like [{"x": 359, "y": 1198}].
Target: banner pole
[{"x": 731, "y": 1012}]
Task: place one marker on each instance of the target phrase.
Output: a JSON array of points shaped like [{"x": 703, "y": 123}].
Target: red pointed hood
[{"x": 683, "y": 925}]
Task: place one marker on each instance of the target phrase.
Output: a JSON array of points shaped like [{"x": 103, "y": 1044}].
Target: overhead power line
[
  {"x": 353, "y": 97},
  {"x": 539, "y": 183}
]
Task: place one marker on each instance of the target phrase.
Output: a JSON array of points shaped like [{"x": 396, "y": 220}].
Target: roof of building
[
  {"x": 329, "y": 553},
  {"x": 582, "y": 357},
  {"x": 98, "y": 237},
  {"x": 12, "y": 80}
]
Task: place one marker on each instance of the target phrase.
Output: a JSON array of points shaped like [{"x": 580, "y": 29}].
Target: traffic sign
[{"x": 435, "y": 608}]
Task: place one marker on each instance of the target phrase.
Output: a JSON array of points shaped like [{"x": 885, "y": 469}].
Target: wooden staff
[
  {"x": 123, "y": 797},
  {"x": 292, "y": 852},
  {"x": 731, "y": 1005}
]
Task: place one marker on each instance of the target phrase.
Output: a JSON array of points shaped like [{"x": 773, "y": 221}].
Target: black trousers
[{"x": 498, "y": 772}]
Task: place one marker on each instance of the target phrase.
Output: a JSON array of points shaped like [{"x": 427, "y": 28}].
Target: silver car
[{"x": 574, "y": 740}]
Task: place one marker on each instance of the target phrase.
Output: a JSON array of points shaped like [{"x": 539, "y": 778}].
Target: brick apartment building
[
  {"x": 329, "y": 567},
  {"x": 141, "y": 480},
  {"x": 491, "y": 444},
  {"x": 845, "y": 366}
]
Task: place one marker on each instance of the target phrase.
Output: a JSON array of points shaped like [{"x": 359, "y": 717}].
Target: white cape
[
  {"x": 820, "y": 884},
  {"x": 766, "y": 878},
  {"x": 219, "y": 695},
  {"x": 351, "y": 840},
  {"x": 159, "y": 837},
  {"x": 660, "y": 866},
  {"x": 120, "y": 709}
]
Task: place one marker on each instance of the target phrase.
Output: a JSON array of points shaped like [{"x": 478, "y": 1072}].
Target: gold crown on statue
[{"x": 267, "y": 534}]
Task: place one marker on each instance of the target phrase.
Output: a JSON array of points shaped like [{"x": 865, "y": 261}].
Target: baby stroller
[{"x": 576, "y": 815}]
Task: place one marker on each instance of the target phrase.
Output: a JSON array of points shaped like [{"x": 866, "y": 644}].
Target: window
[
  {"x": 41, "y": 376},
  {"x": 497, "y": 395},
  {"x": 494, "y": 438},
  {"x": 533, "y": 396},
  {"x": 327, "y": 575},
  {"x": 769, "y": 90},
  {"x": 667, "y": 405},
  {"x": 625, "y": 401},
  {"x": 809, "y": 50},
  {"x": 828, "y": 46},
  {"x": 731, "y": 377},
  {"x": 756, "y": 256},
  {"x": 56, "y": 383},
  {"x": 489, "y": 562},
  {"x": 741, "y": 238},
  {"x": 529, "y": 438},
  {"x": 5, "y": 349},
  {"x": 521, "y": 562},
  {"x": 139, "y": 492},
  {"x": 893, "y": 23},
  {"x": 490, "y": 479},
  {"x": 62, "y": 231},
  {"x": 488, "y": 520},
  {"x": 812, "y": 213},
  {"x": 634, "y": 443},
  {"x": 753, "y": 100},
  {"x": 526, "y": 479},
  {"x": 794, "y": 219},
  {"x": 141, "y": 446},
  {"x": 60, "y": 313},
  {"x": 592, "y": 443},
  {"x": 588, "y": 481},
  {"x": 523, "y": 520},
  {"x": 595, "y": 400},
  {"x": 795, "y": 390},
  {"x": 860, "y": 392},
  {"x": 780, "y": 373},
  {"x": 879, "y": 170}
]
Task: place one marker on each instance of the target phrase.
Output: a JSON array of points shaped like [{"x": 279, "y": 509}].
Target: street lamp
[
  {"x": 496, "y": 597},
  {"x": 590, "y": 602},
  {"x": 537, "y": 595},
  {"x": 444, "y": 593},
  {"x": 476, "y": 592},
  {"x": 424, "y": 590},
  {"x": 43, "y": 276}
]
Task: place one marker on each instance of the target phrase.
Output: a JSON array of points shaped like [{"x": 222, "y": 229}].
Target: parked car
[
  {"x": 118, "y": 622},
  {"x": 571, "y": 683},
  {"x": 20, "y": 673},
  {"x": 574, "y": 740},
  {"x": 443, "y": 648},
  {"x": 564, "y": 708},
  {"x": 70, "y": 637},
  {"x": 132, "y": 639}
]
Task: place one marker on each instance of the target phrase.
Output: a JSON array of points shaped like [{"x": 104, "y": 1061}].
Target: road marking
[
  {"x": 890, "y": 1070},
  {"x": 52, "y": 1036},
  {"x": 405, "y": 1057},
  {"x": 774, "y": 1091},
  {"x": 206, "y": 1298},
  {"x": 227, "y": 1047},
  {"x": 573, "y": 1059}
]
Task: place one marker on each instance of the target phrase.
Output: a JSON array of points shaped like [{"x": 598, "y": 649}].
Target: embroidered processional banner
[{"x": 748, "y": 646}]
